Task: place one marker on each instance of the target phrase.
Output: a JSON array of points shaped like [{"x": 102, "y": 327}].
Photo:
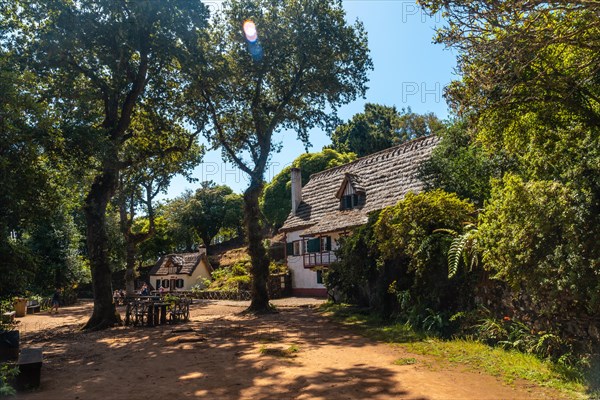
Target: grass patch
[
  {"x": 405, "y": 361},
  {"x": 508, "y": 365},
  {"x": 290, "y": 352},
  {"x": 371, "y": 325}
]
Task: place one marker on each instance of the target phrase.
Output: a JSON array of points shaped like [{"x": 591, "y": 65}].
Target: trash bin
[{"x": 20, "y": 307}]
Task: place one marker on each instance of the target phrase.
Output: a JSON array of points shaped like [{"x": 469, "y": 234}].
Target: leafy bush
[
  {"x": 415, "y": 254},
  {"x": 232, "y": 278},
  {"x": 540, "y": 237},
  {"x": 354, "y": 275},
  {"x": 396, "y": 263},
  {"x": 7, "y": 372}
]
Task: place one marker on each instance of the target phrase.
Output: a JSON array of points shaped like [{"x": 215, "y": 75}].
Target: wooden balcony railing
[{"x": 319, "y": 259}]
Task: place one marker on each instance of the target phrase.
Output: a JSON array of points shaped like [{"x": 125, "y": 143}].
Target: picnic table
[{"x": 154, "y": 310}]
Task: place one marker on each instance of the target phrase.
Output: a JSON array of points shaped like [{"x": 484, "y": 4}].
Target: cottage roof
[
  {"x": 385, "y": 177},
  {"x": 186, "y": 263}
]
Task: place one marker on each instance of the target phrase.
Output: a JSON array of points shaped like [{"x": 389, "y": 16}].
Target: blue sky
[{"x": 409, "y": 71}]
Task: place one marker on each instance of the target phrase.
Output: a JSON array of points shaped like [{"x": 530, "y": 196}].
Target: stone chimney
[
  {"x": 296, "y": 189},
  {"x": 202, "y": 249}
]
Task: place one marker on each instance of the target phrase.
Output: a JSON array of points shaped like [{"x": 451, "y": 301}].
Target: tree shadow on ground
[{"x": 217, "y": 358}]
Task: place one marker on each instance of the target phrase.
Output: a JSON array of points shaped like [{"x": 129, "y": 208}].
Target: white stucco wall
[{"x": 304, "y": 278}]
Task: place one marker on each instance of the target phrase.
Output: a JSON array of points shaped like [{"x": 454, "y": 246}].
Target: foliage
[
  {"x": 509, "y": 365},
  {"x": 355, "y": 272},
  {"x": 145, "y": 178},
  {"x": 232, "y": 278},
  {"x": 529, "y": 89},
  {"x": 463, "y": 247},
  {"x": 104, "y": 66},
  {"x": 212, "y": 208},
  {"x": 182, "y": 222},
  {"x": 35, "y": 184},
  {"x": 460, "y": 165},
  {"x": 7, "y": 372},
  {"x": 276, "y": 200},
  {"x": 519, "y": 56},
  {"x": 538, "y": 237},
  {"x": 14, "y": 280},
  {"x": 57, "y": 246},
  {"x": 380, "y": 127},
  {"x": 244, "y": 90},
  {"x": 396, "y": 263}
]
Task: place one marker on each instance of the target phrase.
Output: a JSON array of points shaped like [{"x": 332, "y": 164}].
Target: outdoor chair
[
  {"x": 140, "y": 312},
  {"x": 180, "y": 311}
]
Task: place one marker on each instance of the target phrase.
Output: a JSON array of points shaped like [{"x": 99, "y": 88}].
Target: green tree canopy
[
  {"x": 460, "y": 165},
  {"x": 302, "y": 62},
  {"x": 530, "y": 89},
  {"x": 276, "y": 202},
  {"x": 380, "y": 127},
  {"x": 212, "y": 208},
  {"x": 100, "y": 63},
  {"x": 530, "y": 82}
]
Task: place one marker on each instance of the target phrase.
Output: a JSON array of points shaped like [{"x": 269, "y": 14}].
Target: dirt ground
[{"x": 220, "y": 354}]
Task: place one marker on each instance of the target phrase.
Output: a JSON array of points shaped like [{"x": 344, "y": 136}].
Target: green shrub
[
  {"x": 231, "y": 278},
  {"x": 540, "y": 237},
  {"x": 397, "y": 263},
  {"x": 354, "y": 275},
  {"x": 7, "y": 372}
]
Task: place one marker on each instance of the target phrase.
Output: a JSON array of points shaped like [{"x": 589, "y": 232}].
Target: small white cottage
[
  {"x": 336, "y": 200},
  {"x": 176, "y": 272}
]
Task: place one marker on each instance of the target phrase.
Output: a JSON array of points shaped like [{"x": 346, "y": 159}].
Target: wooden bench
[
  {"x": 8, "y": 317},
  {"x": 33, "y": 307},
  {"x": 30, "y": 369}
]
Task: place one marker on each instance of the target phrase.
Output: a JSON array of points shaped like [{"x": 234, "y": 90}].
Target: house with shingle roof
[
  {"x": 177, "y": 272},
  {"x": 339, "y": 199}
]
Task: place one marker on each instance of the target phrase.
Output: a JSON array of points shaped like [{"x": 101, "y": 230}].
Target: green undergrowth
[{"x": 508, "y": 365}]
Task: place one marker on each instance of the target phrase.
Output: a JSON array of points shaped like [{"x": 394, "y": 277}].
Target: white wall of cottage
[{"x": 304, "y": 278}]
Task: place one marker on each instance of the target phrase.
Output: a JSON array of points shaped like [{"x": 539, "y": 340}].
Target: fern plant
[{"x": 463, "y": 246}]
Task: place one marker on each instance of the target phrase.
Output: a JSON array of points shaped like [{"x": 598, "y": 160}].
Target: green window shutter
[
  {"x": 289, "y": 249},
  {"x": 328, "y": 247},
  {"x": 313, "y": 245}
]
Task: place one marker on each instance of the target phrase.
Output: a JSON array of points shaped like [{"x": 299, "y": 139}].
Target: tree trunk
[
  {"x": 105, "y": 313},
  {"x": 258, "y": 256}
]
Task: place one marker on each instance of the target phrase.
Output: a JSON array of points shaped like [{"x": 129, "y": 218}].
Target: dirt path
[{"x": 295, "y": 354}]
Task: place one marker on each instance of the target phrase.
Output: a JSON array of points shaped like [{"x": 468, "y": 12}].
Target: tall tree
[
  {"x": 380, "y": 127},
  {"x": 276, "y": 201},
  {"x": 266, "y": 66},
  {"x": 100, "y": 62},
  {"x": 212, "y": 208},
  {"x": 30, "y": 180}
]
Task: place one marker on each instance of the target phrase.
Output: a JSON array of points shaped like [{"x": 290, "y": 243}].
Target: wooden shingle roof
[
  {"x": 385, "y": 177},
  {"x": 186, "y": 263}
]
